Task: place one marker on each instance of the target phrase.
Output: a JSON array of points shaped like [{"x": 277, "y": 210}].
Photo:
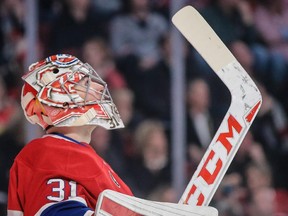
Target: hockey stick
[{"x": 245, "y": 103}]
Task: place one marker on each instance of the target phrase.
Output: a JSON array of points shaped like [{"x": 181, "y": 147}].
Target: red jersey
[{"x": 56, "y": 168}]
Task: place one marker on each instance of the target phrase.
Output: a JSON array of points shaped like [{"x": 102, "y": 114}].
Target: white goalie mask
[{"x": 63, "y": 91}]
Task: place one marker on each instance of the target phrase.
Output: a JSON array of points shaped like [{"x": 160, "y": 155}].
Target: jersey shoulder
[{"x": 56, "y": 153}]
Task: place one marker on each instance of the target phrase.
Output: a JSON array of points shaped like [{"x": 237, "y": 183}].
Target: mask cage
[{"x": 86, "y": 71}]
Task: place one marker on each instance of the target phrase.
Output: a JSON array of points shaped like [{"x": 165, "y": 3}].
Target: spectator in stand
[
  {"x": 124, "y": 98},
  {"x": 13, "y": 44},
  {"x": 139, "y": 57},
  {"x": 200, "y": 123},
  {"x": 122, "y": 141},
  {"x": 10, "y": 139},
  {"x": 13, "y": 14},
  {"x": 269, "y": 129},
  {"x": 229, "y": 195},
  {"x": 271, "y": 21},
  {"x": 97, "y": 53},
  {"x": 249, "y": 152},
  {"x": 263, "y": 198},
  {"x": 9, "y": 109},
  {"x": 117, "y": 147},
  {"x": 101, "y": 143},
  {"x": 75, "y": 23},
  {"x": 143, "y": 57},
  {"x": 258, "y": 175},
  {"x": 151, "y": 167},
  {"x": 155, "y": 81},
  {"x": 198, "y": 101},
  {"x": 135, "y": 35},
  {"x": 263, "y": 203}
]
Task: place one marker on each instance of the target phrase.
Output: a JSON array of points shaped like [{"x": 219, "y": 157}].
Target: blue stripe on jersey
[
  {"x": 70, "y": 207},
  {"x": 68, "y": 138}
]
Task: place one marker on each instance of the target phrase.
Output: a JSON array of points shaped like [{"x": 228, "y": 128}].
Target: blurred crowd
[{"x": 128, "y": 43}]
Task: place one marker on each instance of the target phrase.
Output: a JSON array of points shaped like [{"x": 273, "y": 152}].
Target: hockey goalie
[{"x": 60, "y": 173}]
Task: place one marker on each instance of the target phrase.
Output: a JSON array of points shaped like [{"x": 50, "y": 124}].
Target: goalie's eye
[
  {"x": 87, "y": 81},
  {"x": 84, "y": 81}
]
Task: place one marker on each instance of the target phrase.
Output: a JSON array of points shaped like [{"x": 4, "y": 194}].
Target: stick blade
[{"x": 193, "y": 26}]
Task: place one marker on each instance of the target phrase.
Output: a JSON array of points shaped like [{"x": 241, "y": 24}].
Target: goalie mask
[{"x": 63, "y": 91}]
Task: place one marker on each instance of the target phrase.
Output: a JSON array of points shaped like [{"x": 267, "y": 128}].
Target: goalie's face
[{"x": 63, "y": 91}]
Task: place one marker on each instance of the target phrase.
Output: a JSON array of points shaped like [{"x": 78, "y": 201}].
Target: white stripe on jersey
[
  {"x": 14, "y": 213},
  {"x": 89, "y": 213}
]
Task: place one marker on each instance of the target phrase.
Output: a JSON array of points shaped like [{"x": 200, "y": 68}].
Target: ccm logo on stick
[{"x": 214, "y": 162}]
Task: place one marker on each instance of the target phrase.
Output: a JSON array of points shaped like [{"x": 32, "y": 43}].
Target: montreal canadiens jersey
[{"x": 56, "y": 173}]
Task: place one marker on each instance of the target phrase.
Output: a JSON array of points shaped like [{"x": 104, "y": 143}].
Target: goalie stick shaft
[{"x": 245, "y": 103}]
